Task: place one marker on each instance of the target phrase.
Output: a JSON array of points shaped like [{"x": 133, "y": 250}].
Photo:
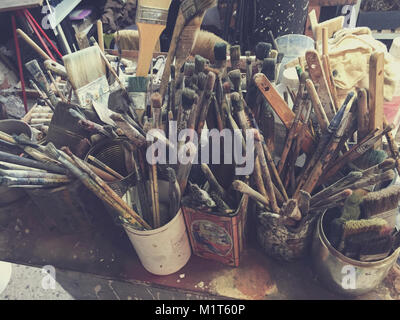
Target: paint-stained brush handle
[{"x": 279, "y": 105}]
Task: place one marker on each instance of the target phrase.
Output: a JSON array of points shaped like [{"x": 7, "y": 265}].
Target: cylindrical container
[
  {"x": 342, "y": 274},
  {"x": 164, "y": 250},
  {"x": 292, "y": 46},
  {"x": 284, "y": 242},
  {"x": 281, "y": 17},
  {"x": 11, "y": 126}
]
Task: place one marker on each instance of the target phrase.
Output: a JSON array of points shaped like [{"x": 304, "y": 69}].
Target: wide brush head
[
  {"x": 188, "y": 69},
  {"x": 237, "y": 103},
  {"x": 192, "y": 8},
  {"x": 352, "y": 227},
  {"x": 380, "y": 201},
  {"x": 188, "y": 98},
  {"x": 262, "y": 50},
  {"x": 220, "y": 51},
  {"x": 236, "y": 78},
  {"x": 84, "y": 66}
]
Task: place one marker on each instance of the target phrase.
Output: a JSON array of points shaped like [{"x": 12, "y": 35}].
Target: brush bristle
[
  {"x": 173, "y": 71},
  {"x": 199, "y": 63},
  {"x": 84, "y": 66},
  {"x": 188, "y": 98},
  {"x": 191, "y": 8},
  {"x": 137, "y": 84},
  {"x": 188, "y": 69},
  {"x": 204, "y": 45},
  {"x": 220, "y": 51},
  {"x": 235, "y": 53},
  {"x": 236, "y": 78},
  {"x": 262, "y": 50},
  {"x": 380, "y": 201},
  {"x": 201, "y": 83},
  {"x": 237, "y": 103},
  {"x": 269, "y": 68},
  {"x": 352, "y": 227},
  {"x": 156, "y": 100}
]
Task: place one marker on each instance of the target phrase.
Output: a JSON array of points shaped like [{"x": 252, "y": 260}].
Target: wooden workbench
[{"x": 100, "y": 263}]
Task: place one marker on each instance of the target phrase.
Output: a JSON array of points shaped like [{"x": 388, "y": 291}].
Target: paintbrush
[
  {"x": 269, "y": 69},
  {"x": 97, "y": 185},
  {"x": 324, "y": 140},
  {"x": 7, "y": 157},
  {"x": 238, "y": 110},
  {"x": 13, "y": 166},
  {"x": 31, "y": 174},
  {"x": 187, "y": 40},
  {"x": 354, "y": 153},
  {"x": 365, "y": 229},
  {"x": 265, "y": 172},
  {"x": 186, "y": 156},
  {"x": 151, "y": 20},
  {"x": 131, "y": 133},
  {"x": 221, "y": 205},
  {"x": 208, "y": 92},
  {"x": 215, "y": 185},
  {"x": 242, "y": 187},
  {"x": 235, "y": 54},
  {"x": 382, "y": 201},
  {"x": 249, "y": 70},
  {"x": 174, "y": 193},
  {"x": 290, "y": 210},
  {"x": 86, "y": 73},
  {"x": 326, "y": 157},
  {"x": 262, "y": 50},
  {"x": 317, "y": 105},
  {"x": 37, "y": 73},
  {"x": 105, "y": 167},
  {"x": 188, "y": 10},
  {"x": 394, "y": 149},
  {"x": 50, "y": 182}
]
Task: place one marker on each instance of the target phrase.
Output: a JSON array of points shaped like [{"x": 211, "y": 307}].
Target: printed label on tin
[{"x": 211, "y": 237}]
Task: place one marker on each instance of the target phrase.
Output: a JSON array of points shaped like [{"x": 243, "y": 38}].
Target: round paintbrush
[
  {"x": 199, "y": 64},
  {"x": 235, "y": 57},
  {"x": 156, "y": 103},
  {"x": 262, "y": 50},
  {"x": 235, "y": 77},
  {"x": 220, "y": 52},
  {"x": 269, "y": 68},
  {"x": 208, "y": 91}
]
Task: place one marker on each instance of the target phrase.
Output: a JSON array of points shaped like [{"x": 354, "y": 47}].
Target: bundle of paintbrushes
[{"x": 365, "y": 229}]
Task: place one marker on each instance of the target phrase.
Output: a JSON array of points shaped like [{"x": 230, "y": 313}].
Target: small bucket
[
  {"x": 336, "y": 270},
  {"x": 284, "y": 242},
  {"x": 164, "y": 250}
]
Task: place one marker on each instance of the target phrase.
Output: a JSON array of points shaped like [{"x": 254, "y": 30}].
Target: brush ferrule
[{"x": 151, "y": 15}]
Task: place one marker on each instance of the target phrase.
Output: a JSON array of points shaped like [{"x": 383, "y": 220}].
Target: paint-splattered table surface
[{"x": 105, "y": 251}]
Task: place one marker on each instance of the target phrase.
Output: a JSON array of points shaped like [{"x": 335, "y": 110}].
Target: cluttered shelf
[
  {"x": 119, "y": 169},
  {"x": 106, "y": 252}
]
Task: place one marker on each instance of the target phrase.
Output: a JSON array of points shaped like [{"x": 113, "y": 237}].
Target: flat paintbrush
[
  {"x": 151, "y": 20},
  {"x": 188, "y": 10}
]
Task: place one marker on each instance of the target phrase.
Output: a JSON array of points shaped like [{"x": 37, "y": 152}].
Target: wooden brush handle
[
  {"x": 281, "y": 108},
  {"x": 362, "y": 114},
  {"x": 265, "y": 173},
  {"x": 56, "y": 68},
  {"x": 244, "y": 188},
  {"x": 376, "y": 99},
  {"x": 100, "y": 36},
  {"x": 329, "y": 79},
  {"x": 33, "y": 44},
  {"x": 318, "y": 76},
  {"x": 105, "y": 167},
  {"x": 179, "y": 25}
]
